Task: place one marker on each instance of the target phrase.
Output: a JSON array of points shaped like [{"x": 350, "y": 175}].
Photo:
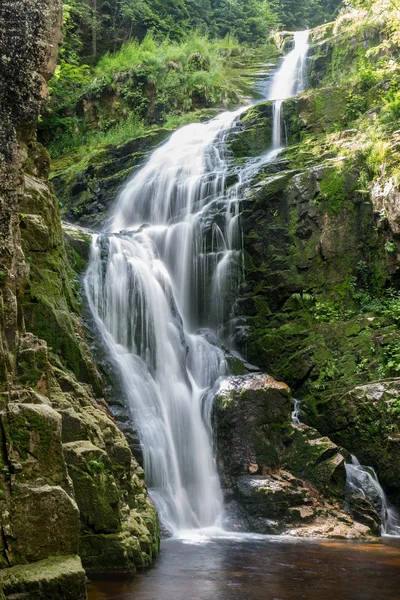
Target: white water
[
  {"x": 364, "y": 481},
  {"x": 289, "y": 81},
  {"x": 160, "y": 285},
  {"x": 296, "y": 412}
]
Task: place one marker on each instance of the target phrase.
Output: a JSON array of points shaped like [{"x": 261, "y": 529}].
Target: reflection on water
[{"x": 261, "y": 569}]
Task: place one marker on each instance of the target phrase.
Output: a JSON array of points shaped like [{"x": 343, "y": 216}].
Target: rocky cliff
[
  {"x": 280, "y": 477},
  {"x": 320, "y": 297},
  {"x": 71, "y": 491}
]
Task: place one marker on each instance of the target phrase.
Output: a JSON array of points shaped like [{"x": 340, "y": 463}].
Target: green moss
[{"x": 61, "y": 578}]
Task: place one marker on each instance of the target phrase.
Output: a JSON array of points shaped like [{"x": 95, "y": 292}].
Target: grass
[{"x": 142, "y": 86}]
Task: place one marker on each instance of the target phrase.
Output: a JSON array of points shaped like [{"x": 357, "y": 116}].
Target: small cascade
[
  {"x": 363, "y": 481},
  {"x": 296, "y": 412},
  {"x": 288, "y": 82},
  {"x": 160, "y": 285}
]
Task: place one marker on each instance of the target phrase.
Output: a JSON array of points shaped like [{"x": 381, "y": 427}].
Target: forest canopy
[{"x": 96, "y": 26}]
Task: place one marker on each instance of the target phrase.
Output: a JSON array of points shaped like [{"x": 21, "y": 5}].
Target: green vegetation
[
  {"x": 127, "y": 66},
  {"x": 97, "y": 26},
  {"x": 140, "y": 86}
]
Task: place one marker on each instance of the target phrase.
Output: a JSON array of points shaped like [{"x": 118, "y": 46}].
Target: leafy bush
[
  {"x": 143, "y": 84},
  {"x": 356, "y": 105},
  {"x": 390, "y": 115}
]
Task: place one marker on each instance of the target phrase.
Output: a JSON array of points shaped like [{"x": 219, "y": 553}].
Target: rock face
[
  {"x": 321, "y": 241},
  {"x": 86, "y": 193},
  {"x": 277, "y": 477},
  {"x": 366, "y": 420},
  {"x": 68, "y": 481}
]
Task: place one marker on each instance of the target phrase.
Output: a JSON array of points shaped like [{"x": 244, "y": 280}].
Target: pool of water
[{"x": 261, "y": 569}]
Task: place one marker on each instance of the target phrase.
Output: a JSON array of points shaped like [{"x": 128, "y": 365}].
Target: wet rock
[
  {"x": 275, "y": 475},
  {"x": 365, "y": 421}
]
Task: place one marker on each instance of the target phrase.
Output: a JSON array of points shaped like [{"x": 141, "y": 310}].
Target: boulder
[
  {"x": 43, "y": 522},
  {"x": 95, "y": 488},
  {"x": 59, "y": 578},
  {"x": 276, "y": 476},
  {"x": 33, "y": 440}
]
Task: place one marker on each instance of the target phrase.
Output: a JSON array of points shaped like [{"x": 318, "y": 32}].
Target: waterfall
[
  {"x": 160, "y": 286},
  {"x": 363, "y": 480},
  {"x": 289, "y": 81},
  {"x": 296, "y": 412}
]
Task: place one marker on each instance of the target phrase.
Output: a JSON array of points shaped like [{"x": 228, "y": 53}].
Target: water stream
[
  {"x": 160, "y": 285},
  {"x": 290, "y": 81},
  {"x": 363, "y": 481}
]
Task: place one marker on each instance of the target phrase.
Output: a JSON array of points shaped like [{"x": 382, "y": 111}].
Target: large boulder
[
  {"x": 276, "y": 476},
  {"x": 61, "y": 578}
]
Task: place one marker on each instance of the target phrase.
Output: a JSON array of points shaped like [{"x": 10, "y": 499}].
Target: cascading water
[
  {"x": 296, "y": 412},
  {"x": 364, "y": 481},
  {"x": 289, "y": 81},
  {"x": 159, "y": 288}
]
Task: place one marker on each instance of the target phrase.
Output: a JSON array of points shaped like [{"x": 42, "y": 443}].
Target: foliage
[
  {"x": 83, "y": 139},
  {"x": 156, "y": 60},
  {"x": 142, "y": 85},
  {"x": 93, "y": 28},
  {"x": 390, "y": 116}
]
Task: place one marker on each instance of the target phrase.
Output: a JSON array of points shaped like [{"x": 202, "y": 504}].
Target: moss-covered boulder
[
  {"x": 95, "y": 488},
  {"x": 60, "y": 578},
  {"x": 276, "y": 476},
  {"x": 32, "y": 435},
  {"x": 43, "y": 521}
]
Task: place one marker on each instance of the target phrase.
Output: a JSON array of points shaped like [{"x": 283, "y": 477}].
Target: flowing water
[
  {"x": 160, "y": 285},
  {"x": 363, "y": 480},
  {"x": 288, "y": 82}
]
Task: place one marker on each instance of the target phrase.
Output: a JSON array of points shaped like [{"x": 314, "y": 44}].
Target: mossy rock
[
  {"x": 86, "y": 190},
  {"x": 45, "y": 509},
  {"x": 252, "y": 134},
  {"x": 95, "y": 488},
  {"x": 33, "y": 441},
  {"x": 59, "y": 578},
  {"x": 316, "y": 459},
  {"x": 113, "y": 553}
]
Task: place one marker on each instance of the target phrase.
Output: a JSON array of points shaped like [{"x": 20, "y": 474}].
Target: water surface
[{"x": 262, "y": 569}]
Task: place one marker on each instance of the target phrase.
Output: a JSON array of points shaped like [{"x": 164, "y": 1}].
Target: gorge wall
[
  {"x": 71, "y": 492},
  {"x": 321, "y": 238}
]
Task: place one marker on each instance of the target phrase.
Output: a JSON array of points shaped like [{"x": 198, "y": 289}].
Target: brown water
[{"x": 262, "y": 569}]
